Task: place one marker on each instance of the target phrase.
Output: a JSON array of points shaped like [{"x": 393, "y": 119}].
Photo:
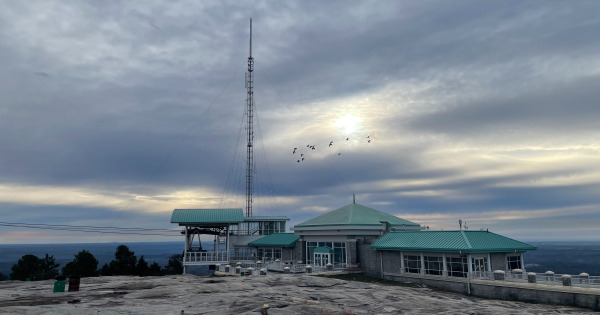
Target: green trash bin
[{"x": 59, "y": 284}]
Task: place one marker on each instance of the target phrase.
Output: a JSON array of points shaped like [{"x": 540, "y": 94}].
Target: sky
[{"x": 114, "y": 113}]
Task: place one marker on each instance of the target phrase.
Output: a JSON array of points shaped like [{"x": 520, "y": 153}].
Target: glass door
[{"x": 479, "y": 266}]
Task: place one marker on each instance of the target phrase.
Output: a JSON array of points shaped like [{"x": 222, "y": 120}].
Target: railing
[
  {"x": 207, "y": 256},
  {"x": 300, "y": 268},
  {"x": 582, "y": 281}
]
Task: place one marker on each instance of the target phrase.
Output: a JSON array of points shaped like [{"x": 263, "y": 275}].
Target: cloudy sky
[{"x": 114, "y": 113}]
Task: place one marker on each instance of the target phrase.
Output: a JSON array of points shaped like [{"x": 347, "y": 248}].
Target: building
[{"x": 353, "y": 236}]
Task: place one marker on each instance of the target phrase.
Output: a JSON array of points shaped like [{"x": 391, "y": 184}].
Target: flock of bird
[{"x": 310, "y": 148}]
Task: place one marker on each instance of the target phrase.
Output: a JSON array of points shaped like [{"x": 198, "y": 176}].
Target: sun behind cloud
[{"x": 348, "y": 124}]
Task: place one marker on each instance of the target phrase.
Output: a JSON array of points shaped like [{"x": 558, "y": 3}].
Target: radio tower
[{"x": 250, "y": 129}]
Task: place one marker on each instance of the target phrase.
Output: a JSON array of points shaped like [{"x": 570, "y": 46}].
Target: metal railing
[
  {"x": 582, "y": 281},
  {"x": 206, "y": 256}
]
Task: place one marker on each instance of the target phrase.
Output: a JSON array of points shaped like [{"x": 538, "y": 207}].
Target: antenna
[
  {"x": 460, "y": 224},
  {"x": 250, "y": 129}
]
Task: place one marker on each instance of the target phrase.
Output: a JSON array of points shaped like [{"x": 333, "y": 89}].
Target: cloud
[{"x": 474, "y": 109}]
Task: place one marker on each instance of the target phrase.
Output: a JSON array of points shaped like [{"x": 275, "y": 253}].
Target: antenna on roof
[
  {"x": 459, "y": 224},
  {"x": 353, "y": 198}
]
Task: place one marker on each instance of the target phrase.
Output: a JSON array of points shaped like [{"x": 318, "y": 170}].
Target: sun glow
[{"x": 348, "y": 124}]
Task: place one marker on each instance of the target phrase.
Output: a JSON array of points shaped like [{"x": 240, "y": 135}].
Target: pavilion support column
[
  {"x": 470, "y": 263},
  {"x": 401, "y": 262},
  {"x": 444, "y": 267},
  {"x": 422, "y": 264},
  {"x": 185, "y": 249},
  {"x": 489, "y": 262}
]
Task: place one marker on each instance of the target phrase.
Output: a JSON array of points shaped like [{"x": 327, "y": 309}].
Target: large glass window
[
  {"x": 457, "y": 266},
  {"x": 514, "y": 262},
  {"x": 434, "y": 265},
  {"x": 412, "y": 264}
]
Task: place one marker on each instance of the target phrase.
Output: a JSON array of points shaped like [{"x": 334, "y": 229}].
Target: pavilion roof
[
  {"x": 355, "y": 215},
  {"x": 462, "y": 241},
  {"x": 207, "y": 216}
]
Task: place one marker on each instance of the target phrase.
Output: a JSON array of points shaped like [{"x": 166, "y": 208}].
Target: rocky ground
[{"x": 272, "y": 294}]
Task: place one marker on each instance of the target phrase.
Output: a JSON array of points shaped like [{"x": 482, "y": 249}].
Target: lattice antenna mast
[{"x": 250, "y": 129}]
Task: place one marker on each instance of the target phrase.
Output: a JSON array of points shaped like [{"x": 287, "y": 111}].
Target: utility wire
[{"x": 93, "y": 229}]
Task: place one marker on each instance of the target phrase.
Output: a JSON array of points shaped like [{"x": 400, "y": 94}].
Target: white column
[
  {"x": 401, "y": 262},
  {"x": 185, "y": 248},
  {"x": 422, "y": 264},
  {"x": 444, "y": 270},
  {"x": 489, "y": 264},
  {"x": 470, "y": 263}
]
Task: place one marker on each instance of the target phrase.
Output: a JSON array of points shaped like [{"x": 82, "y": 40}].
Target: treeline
[{"x": 86, "y": 265}]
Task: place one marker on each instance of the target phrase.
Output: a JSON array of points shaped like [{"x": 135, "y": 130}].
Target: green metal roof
[
  {"x": 276, "y": 240},
  {"x": 449, "y": 241},
  {"x": 355, "y": 214},
  {"x": 265, "y": 218},
  {"x": 325, "y": 250},
  {"x": 207, "y": 216}
]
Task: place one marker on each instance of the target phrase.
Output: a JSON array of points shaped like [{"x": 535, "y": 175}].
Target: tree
[
  {"x": 84, "y": 264},
  {"x": 30, "y": 266},
  {"x": 155, "y": 270},
  {"x": 49, "y": 267},
  {"x": 174, "y": 266},
  {"x": 3, "y": 277},
  {"x": 105, "y": 270},
  {"x": 124, "y": 262},
  {"x": 142, "y": 268}
]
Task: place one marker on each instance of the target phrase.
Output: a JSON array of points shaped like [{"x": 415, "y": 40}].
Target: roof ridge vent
[{"x": 466, "y": 239}]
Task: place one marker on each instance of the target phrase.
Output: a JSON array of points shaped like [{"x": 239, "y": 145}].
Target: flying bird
[
  {"x": 369, "y": 141},
  {"x": 331, "y": 143},
  {"x": 347, "y": 139},
  {"x": 294, "y": 150}
]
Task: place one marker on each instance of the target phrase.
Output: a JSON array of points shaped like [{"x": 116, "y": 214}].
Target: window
[
  {"x": 434, "y": 265},
  {"x": 260, "y": 253},
  {"x": 412, "y": 264},
  {"x": 277, "y": 253},
  {"x": 457, "y": 266},
  {"x": 513, "y": 262}
]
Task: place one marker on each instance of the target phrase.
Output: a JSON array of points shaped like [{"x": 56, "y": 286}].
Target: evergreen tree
[
  {"x": 30, "y": 266},
  {"x": 49, "y": 267},
  {"x": 105, "y": 270},
  {"x": 174, "y": 266},
  {"x": 124, "y": 262},
  {"x": 3, "y": 277},
  {"x": 84, "y": 264},
  {"x": 142, "y": 268},
  {"x": 155, "y": 270}
]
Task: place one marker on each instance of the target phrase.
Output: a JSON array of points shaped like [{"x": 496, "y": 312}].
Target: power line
[{"x": 93, "y": 229}]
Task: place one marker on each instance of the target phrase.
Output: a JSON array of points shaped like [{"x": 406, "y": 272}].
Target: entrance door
[
  {"x": 479, "y": 267},
  {"x": 322, "y": 259}
]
